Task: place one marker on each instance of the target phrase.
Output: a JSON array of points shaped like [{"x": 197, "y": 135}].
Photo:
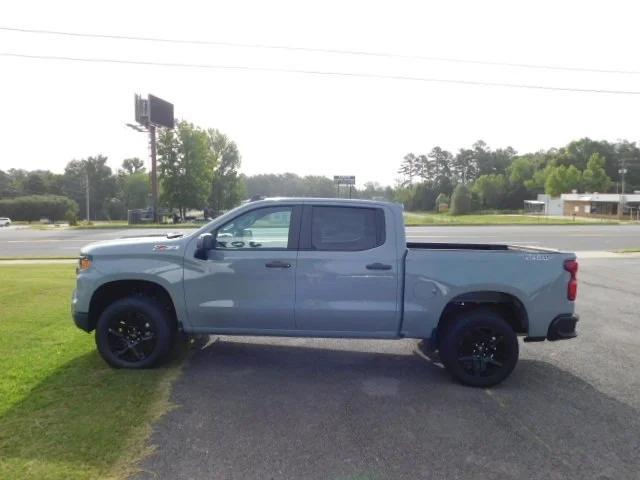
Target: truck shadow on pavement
[{"x": 292, "y": 409}]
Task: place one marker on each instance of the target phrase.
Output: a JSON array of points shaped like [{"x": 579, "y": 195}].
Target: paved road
[
  {"x": 259, "y": 408},
  {"x": 27, "y": 242}
]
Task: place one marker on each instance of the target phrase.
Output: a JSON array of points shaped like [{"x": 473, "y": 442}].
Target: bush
[
  {"x": 461, "y": 200},
  {"x": 71, "y": 217},
  {"x": 34, "y": 207}
]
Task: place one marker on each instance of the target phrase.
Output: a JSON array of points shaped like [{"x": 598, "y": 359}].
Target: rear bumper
[{"x": 563, "y": 327}]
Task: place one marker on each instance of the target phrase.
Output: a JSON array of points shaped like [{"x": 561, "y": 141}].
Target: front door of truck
[
  {"x": 248, "y": 281},
  {"x": 347, "y": 277}
]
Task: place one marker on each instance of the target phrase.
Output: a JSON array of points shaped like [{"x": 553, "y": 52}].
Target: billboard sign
[
  {"x": 160, "y": 112},
  {"x": 141, "y": 106}
]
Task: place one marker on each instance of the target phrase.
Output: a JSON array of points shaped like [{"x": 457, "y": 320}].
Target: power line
[
  {"x": 322, "y": 50},
  {"x": 318, "y": 72}
]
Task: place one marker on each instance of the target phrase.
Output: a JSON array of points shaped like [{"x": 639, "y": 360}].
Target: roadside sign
[{"x": 344, "y": 179}]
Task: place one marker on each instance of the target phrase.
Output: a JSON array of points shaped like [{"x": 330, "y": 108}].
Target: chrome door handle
[
  {"x": 378, "y": 266},
  {"x": 277, "y": 264}
]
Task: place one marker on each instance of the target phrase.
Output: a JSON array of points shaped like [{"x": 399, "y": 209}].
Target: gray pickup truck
[{"x": 324, "y": 268}]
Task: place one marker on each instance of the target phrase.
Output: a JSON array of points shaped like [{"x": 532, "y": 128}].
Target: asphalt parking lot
[
  {"x": 260, "y": 408},
  {"x": 16, "y": 242}
]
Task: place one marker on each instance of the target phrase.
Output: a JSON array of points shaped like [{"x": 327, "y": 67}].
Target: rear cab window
[{"x": 344, "y": 228}]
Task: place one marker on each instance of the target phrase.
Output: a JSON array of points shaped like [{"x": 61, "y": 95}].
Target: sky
[{"x": 54, "y": 111}]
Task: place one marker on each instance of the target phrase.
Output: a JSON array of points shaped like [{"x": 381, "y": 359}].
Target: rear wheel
[
  {"x": 134, "y": 332},
  {"x": 480, "y": 348}
]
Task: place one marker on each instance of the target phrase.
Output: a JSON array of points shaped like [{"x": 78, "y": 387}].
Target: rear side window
[{"x": 346, "y": 228}]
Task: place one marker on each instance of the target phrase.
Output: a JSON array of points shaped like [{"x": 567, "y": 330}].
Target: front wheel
[
  {"x": 480, "y": 349},
  {"x": 134, "y": 332}
]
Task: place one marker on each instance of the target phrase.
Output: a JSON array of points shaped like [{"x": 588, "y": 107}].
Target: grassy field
[
  {"x": 164, "y": 226},
  {"x": 40, "y": 257},
  {"x": 629, "y": 250},
  {"x": 63, "y": 413},
  {"x": 430, "y": 218}
]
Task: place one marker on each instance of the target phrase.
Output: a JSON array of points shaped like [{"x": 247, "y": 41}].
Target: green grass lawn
[
  {"x": 430, "y": 218},
  {"x": 64, "y": 414},
  {"x": 40, "y": 257},
  {"x": 166, "y": 226}
]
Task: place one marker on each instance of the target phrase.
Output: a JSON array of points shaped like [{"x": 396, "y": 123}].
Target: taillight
[{"x": 571, "y": 266}]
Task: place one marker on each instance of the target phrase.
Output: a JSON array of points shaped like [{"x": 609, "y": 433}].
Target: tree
[
  {"x": 491, "y": 190},
  {"x": 561, "y": 179},
  {"x": 520, "y": 170},
  {"x": 131, "y": 166},
  {"x": 423, "y": 167},
  {"x": 34, "y": 184},
  {"x": 464, "y": 166},
  {"x": 460, "y": 200},
  {"x": 408, "y": 168},
  {"x": 186, "y": 165},
  {"x": 289, "y": 185},
  {"x": 7, "y": 188},
  {"x": 102, "y": 184},
  {"x": 490, "y": 162},
  {"x": 578, "y": 153},
  {"x": 226, "y": 188},
  {"x": 136, "y": 190},
  {"x": 628, "y": 153},
  {"x": 442, "y": 162},
  {"x": 594, "y": 177}
]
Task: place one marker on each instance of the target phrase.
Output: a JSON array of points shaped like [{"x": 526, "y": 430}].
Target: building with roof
[
  {"x": 544, "y": 205},
  {"x": 601, "y": 205}
]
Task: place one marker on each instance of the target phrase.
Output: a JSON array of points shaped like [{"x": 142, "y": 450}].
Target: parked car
[
  {"x": 5, "y": 221},
  {"x": 324, "y": 268}
]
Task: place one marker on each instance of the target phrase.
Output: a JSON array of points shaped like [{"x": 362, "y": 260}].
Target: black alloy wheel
[
  {"x": 131, "y": 336},
  {"x": 482, "y": 351},
  {"x": 134, "y": 332},
  {"x": 480, "y": 348}
]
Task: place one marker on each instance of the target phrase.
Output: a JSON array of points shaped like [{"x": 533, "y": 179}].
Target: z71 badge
[
  {"x": 537, "y": 258},
  {"x": 164, "y": 248}
]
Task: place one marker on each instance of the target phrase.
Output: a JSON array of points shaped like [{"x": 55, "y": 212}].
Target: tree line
[
  {"x": 503, "y": 179},
  {"x": 199, "y": 169}
]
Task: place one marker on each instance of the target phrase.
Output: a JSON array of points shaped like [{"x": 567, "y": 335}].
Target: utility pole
[
  {"x": 154, "y": 172},
  {"x": 622, "y": 171},
  {"x": 86, "y": 177}
]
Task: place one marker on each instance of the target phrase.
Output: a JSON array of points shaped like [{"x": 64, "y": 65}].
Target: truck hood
[{"x": 134, "y": 245}]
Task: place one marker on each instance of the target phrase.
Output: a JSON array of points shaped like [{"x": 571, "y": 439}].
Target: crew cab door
[
  {"x": 347, "y": 277},
  {"x": 247, "y": 283}
]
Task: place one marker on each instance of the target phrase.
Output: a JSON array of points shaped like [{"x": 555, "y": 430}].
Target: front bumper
[
  {"x": 563, "y": 327},
  {"x": 81, "y": 319}
]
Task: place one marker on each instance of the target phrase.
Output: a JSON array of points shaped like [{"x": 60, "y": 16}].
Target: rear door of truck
[{"x": 348, "y": 273}]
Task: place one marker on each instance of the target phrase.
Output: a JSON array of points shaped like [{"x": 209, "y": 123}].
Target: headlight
[{"x": 84, "y": 262}]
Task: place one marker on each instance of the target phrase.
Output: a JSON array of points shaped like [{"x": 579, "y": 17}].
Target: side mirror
[{"x": 205, "y": 242}]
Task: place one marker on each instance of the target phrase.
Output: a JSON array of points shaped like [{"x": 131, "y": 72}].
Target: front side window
[
  {"x": 346, "y": 228},
  {"x": 261, "y": 228}
]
